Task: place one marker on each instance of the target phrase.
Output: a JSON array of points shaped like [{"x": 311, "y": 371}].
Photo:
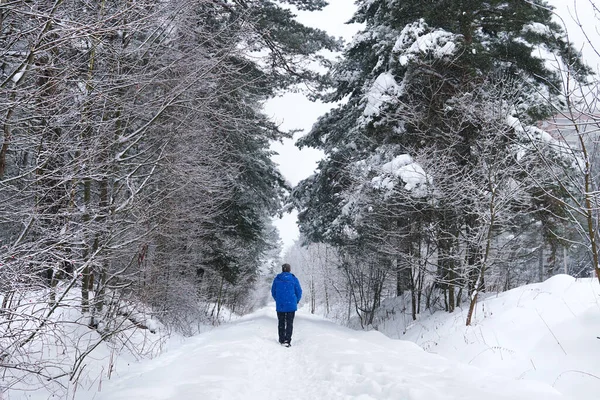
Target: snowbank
[
  {"x": 55, "y": 355},
  {"x": 545, "y": 332}
]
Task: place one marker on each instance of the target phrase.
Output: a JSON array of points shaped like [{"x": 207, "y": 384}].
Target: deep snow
[
  {"x": 536, "y": 342},
  {"x": 544, "y": 331},
  {"x": 242, "y": 360}
]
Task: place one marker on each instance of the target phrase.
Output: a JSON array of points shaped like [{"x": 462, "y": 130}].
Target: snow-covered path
[{"x": 243, "y": 360}]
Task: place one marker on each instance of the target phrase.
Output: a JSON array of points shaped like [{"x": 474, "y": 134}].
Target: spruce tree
[{"x": 405, "y": 81}]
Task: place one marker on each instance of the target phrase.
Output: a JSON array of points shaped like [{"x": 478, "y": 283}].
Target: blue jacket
[{"x": 286, "y": 291}]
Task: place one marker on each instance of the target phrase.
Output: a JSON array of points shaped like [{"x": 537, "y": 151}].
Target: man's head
[{"x": 286, "y": 268}]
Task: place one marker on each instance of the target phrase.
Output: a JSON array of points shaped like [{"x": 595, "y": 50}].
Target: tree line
[
  {"x": 136, "y": 178},
  {"x": 438, "y": 181}
]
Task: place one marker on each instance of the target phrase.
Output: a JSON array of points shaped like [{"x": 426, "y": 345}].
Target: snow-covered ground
[
  {"x": 546, "y": 332},
  {"x": 40, "y": 366},
  {"x": 537, "y": 342},
  {"x": 242, "y": 360}
]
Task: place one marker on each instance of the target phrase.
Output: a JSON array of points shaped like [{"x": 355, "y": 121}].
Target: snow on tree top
[
  {"x": 403, "y": 167},
  {"x": 384, "y": 89},
  {"x": 417, "y": 38},
  {"x": 536, "y": 27}
]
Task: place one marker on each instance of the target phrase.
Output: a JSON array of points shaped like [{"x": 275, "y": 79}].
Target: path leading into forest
[{"x": 242, "y": 360}]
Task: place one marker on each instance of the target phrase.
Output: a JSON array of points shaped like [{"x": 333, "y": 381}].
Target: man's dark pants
[{"x": 286, "y": 325}]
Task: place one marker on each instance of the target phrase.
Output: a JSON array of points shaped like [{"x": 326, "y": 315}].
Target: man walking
[{"x": 287, "y": 293}]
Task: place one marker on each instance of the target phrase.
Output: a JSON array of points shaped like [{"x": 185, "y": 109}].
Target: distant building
[{"x": 567, "y": 128}]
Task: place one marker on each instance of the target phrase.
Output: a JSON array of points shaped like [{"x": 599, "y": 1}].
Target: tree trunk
[
  {"x": 413, "y": 298},
  {"x": 479, "y": 285},
  {"x": 541, "y": 263},
  {"x": 446, "y": 259}
]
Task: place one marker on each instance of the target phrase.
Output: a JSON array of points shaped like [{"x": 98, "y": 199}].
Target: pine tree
[{"x": 405, "y": 81}]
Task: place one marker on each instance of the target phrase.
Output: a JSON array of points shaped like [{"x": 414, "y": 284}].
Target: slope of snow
[
  {"x": 40, "y": 347},
  {"x": 545, "y": 332},
  {"x": 242, "y": 360}
]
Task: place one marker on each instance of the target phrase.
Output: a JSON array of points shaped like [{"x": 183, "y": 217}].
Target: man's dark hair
[{"x": 286, "y": 268}]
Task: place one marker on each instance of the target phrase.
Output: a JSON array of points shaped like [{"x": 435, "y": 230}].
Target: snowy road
[{"x": 243, "y": 360}]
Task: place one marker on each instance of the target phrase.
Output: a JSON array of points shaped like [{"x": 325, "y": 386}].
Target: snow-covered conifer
[{"x": 408, "y": 134}]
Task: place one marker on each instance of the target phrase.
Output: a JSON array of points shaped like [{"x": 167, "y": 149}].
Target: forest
[{"x": 136, "y": 179}]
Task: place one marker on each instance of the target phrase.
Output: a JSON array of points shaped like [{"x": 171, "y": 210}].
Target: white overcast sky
[{"x": 294, "y": 111}]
